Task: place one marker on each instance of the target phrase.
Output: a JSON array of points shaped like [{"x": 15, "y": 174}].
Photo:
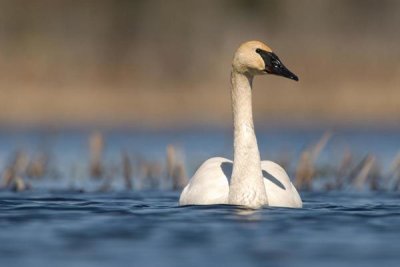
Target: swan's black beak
[{"x": 273, "y": 65}]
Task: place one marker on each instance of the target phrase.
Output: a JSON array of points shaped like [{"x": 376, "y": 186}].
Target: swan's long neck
[{"x": 247, "y": 184}]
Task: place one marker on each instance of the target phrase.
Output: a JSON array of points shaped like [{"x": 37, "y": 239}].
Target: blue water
[
  {"x": 52, "y": 225},
  {"x": 149, "y": 229}
]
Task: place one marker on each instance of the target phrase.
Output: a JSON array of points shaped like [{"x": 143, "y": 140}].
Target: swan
[{"x": 245, "y": 181}]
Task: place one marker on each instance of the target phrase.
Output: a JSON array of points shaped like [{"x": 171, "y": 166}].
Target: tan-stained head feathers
[
  {"x": 256, "y": 58},
  {"x": 247, "y": 60}
]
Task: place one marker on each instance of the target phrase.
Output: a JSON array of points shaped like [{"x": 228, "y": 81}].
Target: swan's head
[{"x": 256, "y": 58}]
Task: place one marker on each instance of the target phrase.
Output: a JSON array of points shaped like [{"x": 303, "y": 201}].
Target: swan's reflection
[{"x": 246, "y": 214}]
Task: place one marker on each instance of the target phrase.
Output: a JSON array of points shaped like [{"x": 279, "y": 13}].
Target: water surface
[
  {"x": 149, "y": 229},
  {"x": 51, "y": 226}
]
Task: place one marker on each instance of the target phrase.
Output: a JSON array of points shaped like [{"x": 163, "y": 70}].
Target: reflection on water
[{"x": 362, "y": 158}]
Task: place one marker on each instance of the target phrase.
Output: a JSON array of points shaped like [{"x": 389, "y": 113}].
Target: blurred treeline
[{"x": 161, "y": 63}]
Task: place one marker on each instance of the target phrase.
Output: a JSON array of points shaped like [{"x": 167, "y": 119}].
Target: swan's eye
[{"x": 258, "y": 50}]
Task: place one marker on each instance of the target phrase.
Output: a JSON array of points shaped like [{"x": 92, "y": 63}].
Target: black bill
[{"x": 273, "y": 65}]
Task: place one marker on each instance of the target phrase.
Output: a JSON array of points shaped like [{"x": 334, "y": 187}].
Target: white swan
[{"x": 246, "y": 181}]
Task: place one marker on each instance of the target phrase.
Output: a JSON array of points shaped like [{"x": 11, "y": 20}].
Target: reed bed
[{"x": 134, "y": 172}]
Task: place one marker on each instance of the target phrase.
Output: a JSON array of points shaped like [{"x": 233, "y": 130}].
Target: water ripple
[{"x": 150, "y": 229}]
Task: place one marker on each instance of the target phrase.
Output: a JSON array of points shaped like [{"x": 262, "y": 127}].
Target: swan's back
[{"x": 209, "y": 185}]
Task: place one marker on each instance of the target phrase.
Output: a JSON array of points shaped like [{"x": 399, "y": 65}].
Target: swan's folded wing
[
  {"x": 280, "y": 190},
  {"x": 209, "y": 185}
]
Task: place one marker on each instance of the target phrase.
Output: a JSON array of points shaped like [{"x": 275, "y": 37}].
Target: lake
[{"x": 56, "y": 224}]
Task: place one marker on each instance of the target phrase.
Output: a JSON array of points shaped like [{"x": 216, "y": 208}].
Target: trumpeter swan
[{"x": 247, "y": 181}]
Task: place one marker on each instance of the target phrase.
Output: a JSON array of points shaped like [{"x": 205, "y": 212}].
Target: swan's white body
[
  {"x": 210, "y": 185},
  {"x": 246, "y": 181}
]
